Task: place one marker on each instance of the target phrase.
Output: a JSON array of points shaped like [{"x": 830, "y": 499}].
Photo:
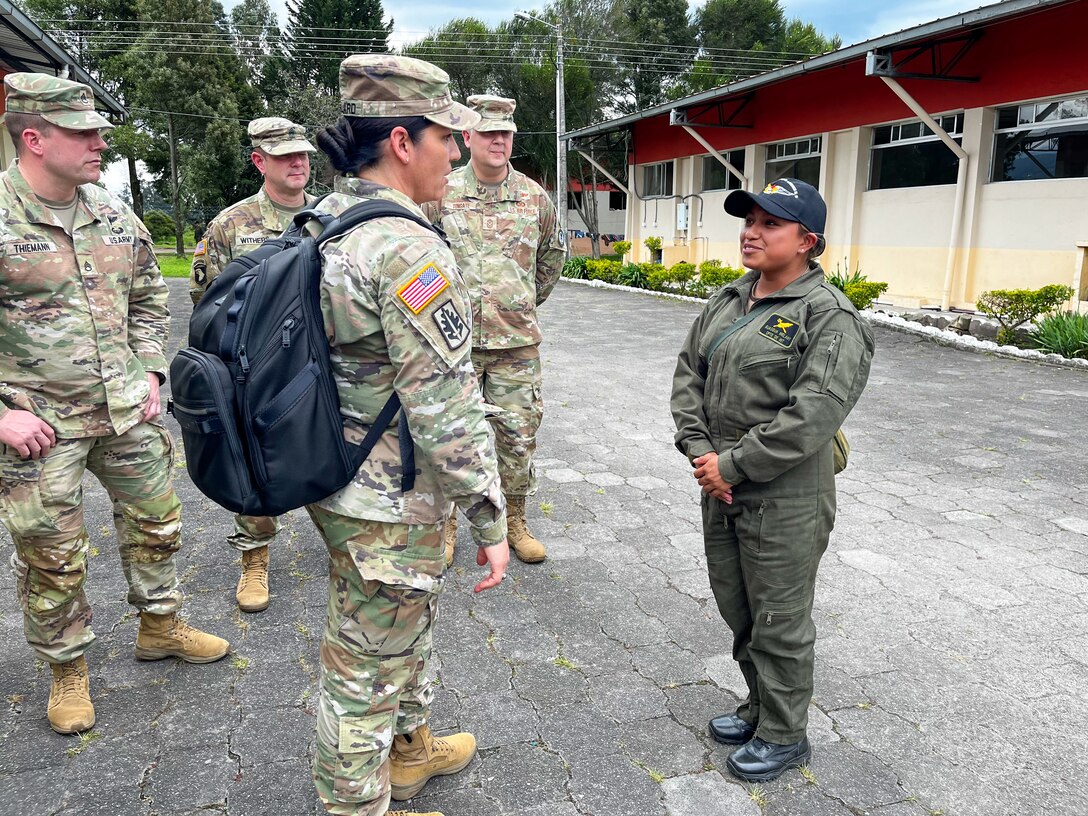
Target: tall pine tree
[{"x": 320, "y": 33}]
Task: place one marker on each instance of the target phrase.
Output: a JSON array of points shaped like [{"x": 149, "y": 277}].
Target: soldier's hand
[
  {"x": 710, "y": 478},
  {"x": 498, "y": 557},
  {"x": 153, "y": 404},
  {"x": 29, "y": 435}
]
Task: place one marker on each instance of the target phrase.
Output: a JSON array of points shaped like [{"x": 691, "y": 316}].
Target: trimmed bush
[
  {"x": 606, "y": 271},
  {"x": 713, "y": 275},
  {"x": 652, "y": 243},
  {"x": 1013, "y": 308},
  {"x": 621, "y": 248},
  {"x": 159, "y": 224},
  {"x": 1064, "y": 333},
  {"x": 862, "y": 293}
]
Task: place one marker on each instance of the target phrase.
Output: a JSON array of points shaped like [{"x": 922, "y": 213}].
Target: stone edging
[{"x": 942, "y": 336}]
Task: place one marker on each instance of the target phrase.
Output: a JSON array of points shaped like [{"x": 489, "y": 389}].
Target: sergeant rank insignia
[
  {"x": 451, "y": 325},
  {"x": 780, "y": 330}
]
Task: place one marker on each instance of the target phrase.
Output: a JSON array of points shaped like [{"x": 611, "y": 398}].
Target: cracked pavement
[{"x": 951, "y": 607}]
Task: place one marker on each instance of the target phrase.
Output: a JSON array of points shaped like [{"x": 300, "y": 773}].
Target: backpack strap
[
  {"x": 407, "y": 449},
  {"x": 735, "y": 326}
]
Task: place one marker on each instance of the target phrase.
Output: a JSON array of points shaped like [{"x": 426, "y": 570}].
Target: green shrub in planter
[
  {"x": 713, "y": 275},
  {"x": 652, "y": 243},
  {"x": 1064, "y": 333},
  {"x": 575, "y": 268},
  {"x": 621, "y": 248},
  {"x": 635, "y": 275},
  {"x": 862, "y": 293},
  {"x": 1015, "y": 307},
  {"x": 606, "y": 271}
]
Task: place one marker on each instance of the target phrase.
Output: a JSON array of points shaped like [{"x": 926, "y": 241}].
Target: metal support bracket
[{"x": 944, "y": 55}]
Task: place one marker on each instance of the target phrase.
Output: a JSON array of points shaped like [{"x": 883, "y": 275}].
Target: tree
[
  {"x": 662, "y": 27},
  {"x": 739, "y": 25},
  {"x": 259, "y": 44},
  {"x": 320, "y": 33},
  {"x": 465, "y": 49}
]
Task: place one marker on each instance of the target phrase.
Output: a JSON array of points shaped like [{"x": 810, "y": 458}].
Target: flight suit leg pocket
[{"x": 786, "y": 544}]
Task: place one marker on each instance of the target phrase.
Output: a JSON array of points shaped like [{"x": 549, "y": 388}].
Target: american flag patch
[
  {"x": 424, "y": 287},
  {"x": 201, "y": 248}
]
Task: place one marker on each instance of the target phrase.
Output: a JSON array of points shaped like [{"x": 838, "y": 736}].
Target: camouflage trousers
[
  {"x": 252, "y": 532},
  {"x": 41, "y": 503},
  {"x": 511, "y": 379},
  {"x": 384, "y": 582}
]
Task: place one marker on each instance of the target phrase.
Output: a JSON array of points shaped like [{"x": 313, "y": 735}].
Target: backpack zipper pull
[
  {"x": 244, "y": 361},
  {"x": 286, "y": 336}
]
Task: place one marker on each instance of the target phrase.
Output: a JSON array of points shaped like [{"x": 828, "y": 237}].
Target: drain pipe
[
  {"x": 716, "y": 154},
  {"x": 961, "y": 187}
]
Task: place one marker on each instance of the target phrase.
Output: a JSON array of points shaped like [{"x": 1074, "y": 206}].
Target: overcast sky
[{"x": 853, "y": 20}]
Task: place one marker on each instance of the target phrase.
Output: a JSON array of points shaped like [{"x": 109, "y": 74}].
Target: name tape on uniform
[{"x": 780, "y": 330}]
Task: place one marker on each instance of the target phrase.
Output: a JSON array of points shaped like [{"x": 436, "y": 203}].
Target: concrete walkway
[{"x": 952, "y": 671}]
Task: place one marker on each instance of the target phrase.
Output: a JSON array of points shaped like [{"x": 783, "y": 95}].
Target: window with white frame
[
  {"x": 716, "y": 177},
  {"x": 799, "y": 159},
  {"x": 910, "y": 154},
  {"x": 1041, "y": 140},
  {"x": 657, "y": 180}
]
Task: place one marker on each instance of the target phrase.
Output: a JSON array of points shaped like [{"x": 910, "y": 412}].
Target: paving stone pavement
[{"x": 952, "y": 660}]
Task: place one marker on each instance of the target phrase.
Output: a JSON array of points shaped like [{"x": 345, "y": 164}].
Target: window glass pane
[
  {"x": 1027, "y": 114},
  {"x": 1006, "y": 118},
  {"x": 806, "y": 169},
  {"x": 882, "y": 135},
  {"x": 912, "y": 165},
  {"x": 617, "y": 200},
  {"x": 714, "y": 174},
  {"x": 1041, "y": 154}
]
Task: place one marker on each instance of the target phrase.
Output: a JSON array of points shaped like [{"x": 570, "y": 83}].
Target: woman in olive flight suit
[{"x": 756, "y": 411}]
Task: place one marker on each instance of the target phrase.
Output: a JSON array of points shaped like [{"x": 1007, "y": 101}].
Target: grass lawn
[{"x": 174, "y": 267}]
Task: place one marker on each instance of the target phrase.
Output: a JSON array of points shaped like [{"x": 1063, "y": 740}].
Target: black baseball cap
[{"x": 788, "y": 198}]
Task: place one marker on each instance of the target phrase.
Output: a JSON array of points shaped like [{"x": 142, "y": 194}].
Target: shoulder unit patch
[
  {"x": 780, "y": 330},
  {"x": 453, "y": 327},
  {"x": 422, "y": 288}
]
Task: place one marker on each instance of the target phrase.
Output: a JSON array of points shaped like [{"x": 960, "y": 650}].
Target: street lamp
[{"x": 560, "y": 126}]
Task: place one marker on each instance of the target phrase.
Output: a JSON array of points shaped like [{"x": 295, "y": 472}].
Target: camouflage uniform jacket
[
  {"x": 83, "y": 318},
  {"x": 508, "y": 249},
  {"x": 396, "y": 315},
  {"x": 238, "y": 229}
]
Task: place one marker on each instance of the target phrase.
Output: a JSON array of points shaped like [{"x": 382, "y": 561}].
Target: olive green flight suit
[{"x": 769, "y": 400}]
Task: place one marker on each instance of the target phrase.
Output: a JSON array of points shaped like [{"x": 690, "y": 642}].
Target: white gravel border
[{"x": 942, "y": 336}]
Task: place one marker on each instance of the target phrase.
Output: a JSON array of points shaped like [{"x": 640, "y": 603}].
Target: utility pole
[{"x": 561, "y": 177}]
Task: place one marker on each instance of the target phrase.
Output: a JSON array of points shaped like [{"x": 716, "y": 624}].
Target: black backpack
[{"x": 254, "y": 392}]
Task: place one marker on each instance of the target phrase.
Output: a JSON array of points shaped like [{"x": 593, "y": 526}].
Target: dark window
[
  {"x": 617, "y": 200},
  {"x": 716, "y": 177},
  {"x": 1041, "y": 140},
  {"x": 574, "y": 200},
  {"x": 910, "y": 154},
  {"x": 799, "y": 159},
  {"x": 657, "y": 179}
]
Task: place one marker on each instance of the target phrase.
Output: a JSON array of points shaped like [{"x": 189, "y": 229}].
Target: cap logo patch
[
  {"x": 425, "y": 286},
  {"x": 451, "y": 325},
  {"x": 780, "y": 330},
  {"x": 781, "y": 187}
]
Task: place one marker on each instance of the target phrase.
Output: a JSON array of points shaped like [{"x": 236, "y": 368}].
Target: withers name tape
[{"x": 425, "y": 285}]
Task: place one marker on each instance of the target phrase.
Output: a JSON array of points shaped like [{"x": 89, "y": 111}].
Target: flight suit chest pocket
[{"x": 841, "y": 355}]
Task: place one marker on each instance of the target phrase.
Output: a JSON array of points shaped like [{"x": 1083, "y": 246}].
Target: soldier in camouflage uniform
[
  {"x": 397, "y": 318},
  {"x": 502, "y": 228},
  {"x": 82, "y": 332},
  {"x": 281, "y": 155}
]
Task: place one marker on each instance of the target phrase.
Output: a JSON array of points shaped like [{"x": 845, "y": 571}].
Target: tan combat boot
[
  {"x": 168, "y": 636},
  {"x": 451, "y": 537},
  {"x": 418, "y": 756},
  {"x": 252, "y": 592},
  {"x": 522, "y": 542},
  {"x": 70, "y": 708}
]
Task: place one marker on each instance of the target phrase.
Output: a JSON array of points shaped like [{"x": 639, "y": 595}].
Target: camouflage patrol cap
[
  {"x": 277, "y": 136},
  {"x": 385, "y": 85},
  {"x": 58, "y": 101},
  {"x": 496, "y": 112}
]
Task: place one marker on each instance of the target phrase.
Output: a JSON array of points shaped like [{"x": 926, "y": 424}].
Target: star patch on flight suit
[
  {"x": 423, "y": 287},
  {"x": 453, "y": 328},
  {"x": 780, "y": 330}
]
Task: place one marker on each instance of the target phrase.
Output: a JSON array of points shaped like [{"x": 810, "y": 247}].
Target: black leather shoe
[
  {"x": 730, "y": 729},
  {"x": 762, "y": 761}
]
